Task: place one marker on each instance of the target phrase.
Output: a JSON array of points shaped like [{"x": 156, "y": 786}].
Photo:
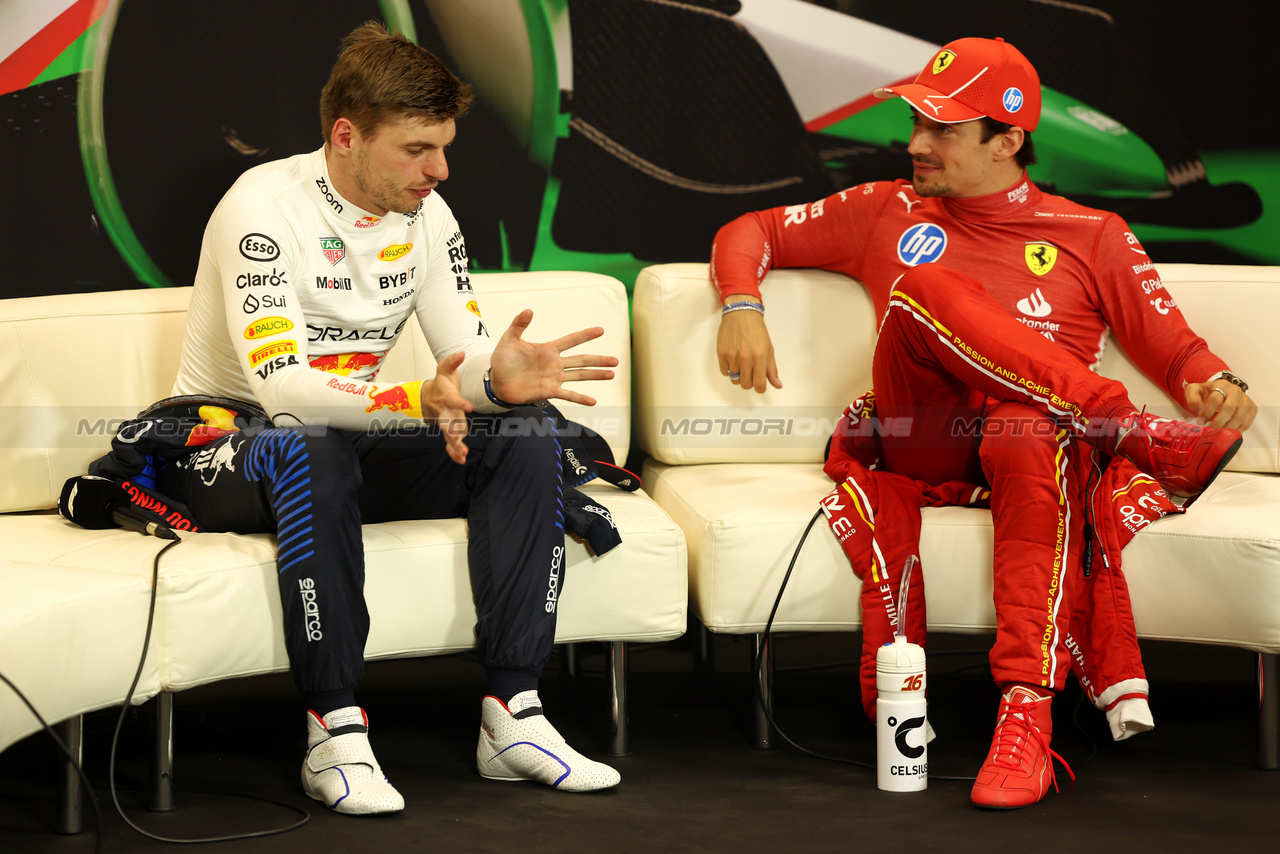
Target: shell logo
[
  {"x": 474, "y": 307},
  {"x": 393, "y": 252}
]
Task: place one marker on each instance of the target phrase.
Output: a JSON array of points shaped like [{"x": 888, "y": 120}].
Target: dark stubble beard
[{"x": 384, "y": 196}]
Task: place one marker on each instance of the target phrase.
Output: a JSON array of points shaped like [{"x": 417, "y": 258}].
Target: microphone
[{"x": 96, "y": 503}]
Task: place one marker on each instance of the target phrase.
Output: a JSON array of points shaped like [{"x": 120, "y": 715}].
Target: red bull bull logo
[
  {"x": 473, "y": 307},
  {"x": 396, "y": 398},
  {"x": 368, "y": 221},
  {"x": 346, "y": 363}
]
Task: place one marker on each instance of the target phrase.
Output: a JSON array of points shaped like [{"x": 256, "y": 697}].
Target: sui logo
[
  {"x": 1012, "y": 99},
  {"x": 922, "y": 243}
]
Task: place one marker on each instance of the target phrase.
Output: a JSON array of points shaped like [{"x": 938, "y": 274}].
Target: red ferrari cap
[{"x": 972, "y": 78}]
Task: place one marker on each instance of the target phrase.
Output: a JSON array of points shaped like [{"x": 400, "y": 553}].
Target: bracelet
[
  {"x": 488, "y": 390},
  {"x": 739, "y": 306}
]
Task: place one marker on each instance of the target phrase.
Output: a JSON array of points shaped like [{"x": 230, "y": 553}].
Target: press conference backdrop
[{"x": 607, "y": 135}]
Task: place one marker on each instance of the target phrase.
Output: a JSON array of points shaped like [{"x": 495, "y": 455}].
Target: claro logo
[
  {"x": 310, "y": 610},
  {"x": 391, "y": 253}
]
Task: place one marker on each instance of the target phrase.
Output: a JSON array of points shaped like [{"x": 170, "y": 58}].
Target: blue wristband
[
  {"x": 740, "y": 306},
  {"x": 488, "y": 390}
]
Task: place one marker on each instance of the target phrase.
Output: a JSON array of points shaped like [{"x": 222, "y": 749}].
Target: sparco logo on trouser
[
  {"x": 310, "y": 609},
  {"x": 553, "y": 581}
]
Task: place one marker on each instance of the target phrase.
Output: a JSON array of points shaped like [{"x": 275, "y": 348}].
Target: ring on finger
[
  {"x": 733, "y": 375},
  {"x": 1218, "y": 390}
]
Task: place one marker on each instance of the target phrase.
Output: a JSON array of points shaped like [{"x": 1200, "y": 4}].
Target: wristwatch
[{"x": 1233, "y": 379}]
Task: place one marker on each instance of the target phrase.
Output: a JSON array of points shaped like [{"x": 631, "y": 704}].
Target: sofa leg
[
  {"x": 762, "y": 737},
  {"x": 569, "y": 661},
  {"x": 68, "y": 816},
  {"x": 704, "y": 659},
  {"x": 162, "y": 762},
  {"x": 617, "y": 668},
  {"x": 1268, "y": 711}
]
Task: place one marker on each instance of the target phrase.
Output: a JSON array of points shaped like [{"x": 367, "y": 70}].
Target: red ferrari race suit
[{"x": 977, "y": 368}]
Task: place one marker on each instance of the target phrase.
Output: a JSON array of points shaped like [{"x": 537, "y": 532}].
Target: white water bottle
[{"x": 902, "y": 754}]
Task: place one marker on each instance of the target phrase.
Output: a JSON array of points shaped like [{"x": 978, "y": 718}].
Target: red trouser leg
[
  {"x": 1103, "y": 640},
  {"x": 945, "y": 345},
  {"x": 1038, "y": 540}
]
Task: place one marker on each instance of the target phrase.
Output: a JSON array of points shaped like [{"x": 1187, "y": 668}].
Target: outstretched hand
[
  {"x": 523, "y": 372},
  {"x": 444, "y": 406}
]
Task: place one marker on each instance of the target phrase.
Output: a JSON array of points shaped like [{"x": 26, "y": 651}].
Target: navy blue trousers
[{"x": 314, "y": 487}]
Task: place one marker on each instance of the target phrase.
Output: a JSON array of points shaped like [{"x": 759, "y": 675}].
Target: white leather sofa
[
  {"x": 742, "y": 475},
  {"x": 73, "y": 602}
]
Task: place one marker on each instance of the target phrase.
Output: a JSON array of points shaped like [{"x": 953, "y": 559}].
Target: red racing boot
[
  {"x": 1019, "y": 766},
  {"x": 1184, "y": 458}
]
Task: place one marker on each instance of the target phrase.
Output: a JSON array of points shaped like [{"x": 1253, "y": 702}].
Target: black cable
[
  {"x": 768, "y": 626},
  {"x": 115, "y": 738},
  {"x": 756, "y": 676},
  {"x": 66, "y": 751},
  {"x": 760, "y": 688}
]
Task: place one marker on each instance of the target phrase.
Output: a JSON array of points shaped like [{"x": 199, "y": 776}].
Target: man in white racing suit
[{"x": 309, "y": 270}]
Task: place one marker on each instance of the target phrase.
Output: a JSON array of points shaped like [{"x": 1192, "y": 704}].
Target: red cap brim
[{"x": 931, "y": 103}]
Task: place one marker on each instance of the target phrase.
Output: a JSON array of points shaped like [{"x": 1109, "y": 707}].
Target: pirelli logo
[{"x": 275, "y": 348}]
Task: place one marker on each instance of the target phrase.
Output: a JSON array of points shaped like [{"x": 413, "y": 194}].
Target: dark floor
[{"x": 693, "y": 781}]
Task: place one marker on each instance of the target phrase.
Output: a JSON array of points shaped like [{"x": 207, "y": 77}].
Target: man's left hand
[
  {"x": 1221, "y": 404},
  {"x": 523, "y": 372}
]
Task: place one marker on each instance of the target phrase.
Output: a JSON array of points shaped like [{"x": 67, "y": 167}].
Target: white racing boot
[
  {"x": 517, "y": 742},
  {"x": 340, "y": 770}
]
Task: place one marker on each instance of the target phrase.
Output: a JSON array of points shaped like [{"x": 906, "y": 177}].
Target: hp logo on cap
[{"x": 1012, "y": 99}]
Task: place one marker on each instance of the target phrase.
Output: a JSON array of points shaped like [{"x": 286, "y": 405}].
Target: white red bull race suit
[
  {"x": 989, "y": 367},
  {"x": 298, "y": 298}
]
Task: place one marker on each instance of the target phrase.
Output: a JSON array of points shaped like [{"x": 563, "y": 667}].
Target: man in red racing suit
[{"x": 996, "y": 299}]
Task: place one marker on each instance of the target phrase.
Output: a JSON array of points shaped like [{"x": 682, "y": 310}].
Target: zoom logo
[
  {"x": 900, "y": 737},
  {"x": 922, "y": 243}
]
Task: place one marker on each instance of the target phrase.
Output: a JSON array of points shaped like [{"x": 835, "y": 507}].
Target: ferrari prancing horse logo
[
  {"x": 1040, "y": 257},
  {"x": 942, "y": 61}
]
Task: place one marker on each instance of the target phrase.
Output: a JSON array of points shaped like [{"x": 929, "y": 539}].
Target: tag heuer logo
[
  {"x": 333, "y": 249},
  {"x": 1040, "y": 257},
  {"x": 942, "y": 61}
]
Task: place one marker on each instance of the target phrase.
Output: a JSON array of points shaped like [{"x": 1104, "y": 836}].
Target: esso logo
[
  {"x": 922, "y": 243},
  {"x": 1012, "y": 99},
  {"x": 259, "y": 247}
]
